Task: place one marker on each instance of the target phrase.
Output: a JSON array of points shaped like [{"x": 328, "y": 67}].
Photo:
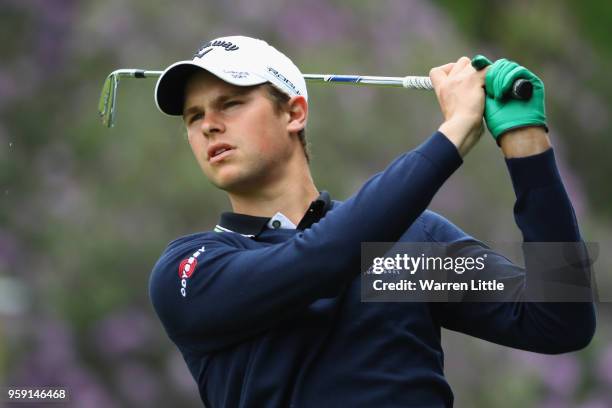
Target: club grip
[{"x": 522, "y": 89}]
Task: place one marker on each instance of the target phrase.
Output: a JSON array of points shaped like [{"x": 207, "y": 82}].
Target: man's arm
[
  {"x": 524, "y": 142},
  {"x": 543, "y": 213},
  {"x": 235, "y": 292}
]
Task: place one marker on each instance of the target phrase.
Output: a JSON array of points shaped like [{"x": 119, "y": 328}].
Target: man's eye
[
  {"x": 229, "y": 104},
  {"x": 195, "y": 117}
]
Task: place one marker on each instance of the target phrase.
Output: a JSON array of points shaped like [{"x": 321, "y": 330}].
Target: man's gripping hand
[
  {"x": 503, "y": 113},
  {"x": 458, "y": 87}
]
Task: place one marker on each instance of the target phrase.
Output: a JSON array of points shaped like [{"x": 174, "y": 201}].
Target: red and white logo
[{"x": 187, "y": 268}]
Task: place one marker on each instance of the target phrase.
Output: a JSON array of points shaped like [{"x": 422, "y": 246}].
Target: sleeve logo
[{"x": 187, "y": 268}]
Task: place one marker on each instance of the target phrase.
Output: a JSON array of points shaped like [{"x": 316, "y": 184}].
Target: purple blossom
[
  {"x": 262, "y": 11},
  {"x": 588, "y": 108},
  {"x": 138, "y": 384},
  {"x": 27, "y": 73},
  {"x": 400, "y": 24},
  {"x": 355, "y": 100},
  {"x": 561, "y": 373},
  {"x": 52, "y": 361},
  {"x": 452, "y": 198},
  {"x": 8, "y": 88},
  {"x": 418, "y": 17},
  {"x": 554, "y": 401},
  {"x": 597, "y": 402},
  {"x": 52, "y": 21},
  {"x": 9, "y": 250},
  {"x": 55, "y": 23},
  {"x": 179, "y": 373},
  {"x": 55, "y": 343},
  {"x": 604, "y": 366},
  {"x": 591, "y": 112},
  {"x": 92, "y": 396},
  {"x": 123, "y": 333},
  {"x": 308, "y": 24},
  {"x": 51, "y": 350},
  {"x": 84, "y": 389},
  {"x": 112, "y": 23},
  {"x": 64, "y": 197}
]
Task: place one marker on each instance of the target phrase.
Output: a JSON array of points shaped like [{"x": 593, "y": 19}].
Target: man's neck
[{"x": 291, "y": 196}]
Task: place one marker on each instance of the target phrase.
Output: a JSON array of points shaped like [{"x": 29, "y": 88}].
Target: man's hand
[
  {"x": 459, "y": 89},
  {"x": 503, "y": 113}
]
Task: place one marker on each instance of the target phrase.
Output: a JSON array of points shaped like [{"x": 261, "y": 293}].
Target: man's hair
[{"x": 280, "y": 101}]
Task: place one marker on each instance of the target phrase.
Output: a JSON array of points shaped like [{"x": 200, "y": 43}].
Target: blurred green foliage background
[{"x": 85, "y": 211}]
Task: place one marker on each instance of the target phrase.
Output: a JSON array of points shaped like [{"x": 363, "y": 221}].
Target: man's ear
[{"x": 298, "y": 114}]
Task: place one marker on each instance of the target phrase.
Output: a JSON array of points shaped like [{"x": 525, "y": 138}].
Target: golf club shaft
[
  {"x": 108, "y": 101},
  {"x": 411, "y": 82}
]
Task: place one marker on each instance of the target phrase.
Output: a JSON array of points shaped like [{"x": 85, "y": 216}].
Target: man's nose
[{"x": 212, "y": 123}]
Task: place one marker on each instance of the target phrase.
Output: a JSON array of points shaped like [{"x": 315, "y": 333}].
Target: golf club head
[
  {"x": 108, "y": 98},
  {"x": 107, "y": 105}
]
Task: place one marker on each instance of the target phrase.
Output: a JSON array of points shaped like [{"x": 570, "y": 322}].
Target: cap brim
[{"x": 170, "y": 88}]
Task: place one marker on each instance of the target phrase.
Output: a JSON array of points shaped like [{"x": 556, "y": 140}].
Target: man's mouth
[{"x": 219, "y": 151}]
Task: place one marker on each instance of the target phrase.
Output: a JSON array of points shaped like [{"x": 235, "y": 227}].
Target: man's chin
[
  {"x": 224, "y": 178},
  {"x": 236, "y": 180},
  {"x": 235, "y": 184}
]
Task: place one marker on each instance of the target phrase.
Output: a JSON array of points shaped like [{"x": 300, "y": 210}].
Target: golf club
[{"x": 107, "y": 106}]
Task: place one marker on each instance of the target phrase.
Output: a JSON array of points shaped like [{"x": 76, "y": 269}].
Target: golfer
[{"x": 266, "y": 308}]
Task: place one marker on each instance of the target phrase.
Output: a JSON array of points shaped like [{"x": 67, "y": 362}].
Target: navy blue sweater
[{"x": 273, "y": 317}]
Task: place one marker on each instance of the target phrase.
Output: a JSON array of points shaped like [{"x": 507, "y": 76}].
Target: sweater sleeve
[
  {"x": 543, "y": 213},
  {"x": 232, "y": 292}
]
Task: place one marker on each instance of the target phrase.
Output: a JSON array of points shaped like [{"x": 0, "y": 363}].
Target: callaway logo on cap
[{"x": 238, "y": 60}]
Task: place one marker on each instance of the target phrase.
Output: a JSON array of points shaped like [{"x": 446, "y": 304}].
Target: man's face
[{"x": 239, "y": 140}]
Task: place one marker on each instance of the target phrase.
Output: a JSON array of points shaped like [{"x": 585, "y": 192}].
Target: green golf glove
[{"x": 502, "y": 112}]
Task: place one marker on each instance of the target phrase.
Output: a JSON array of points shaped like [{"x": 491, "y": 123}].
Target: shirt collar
[
  {"x": 279, "y": 220},
  {"x": 250, "y": 226}
]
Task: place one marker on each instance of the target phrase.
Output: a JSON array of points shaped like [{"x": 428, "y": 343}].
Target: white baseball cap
[{"x": 238, "y": 60}]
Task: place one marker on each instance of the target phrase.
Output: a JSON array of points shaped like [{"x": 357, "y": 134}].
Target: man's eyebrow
[
  {"x": 239, "y": 91},
  {"x": 191, "y": 109},
  {"x": 231, "y": 94}
]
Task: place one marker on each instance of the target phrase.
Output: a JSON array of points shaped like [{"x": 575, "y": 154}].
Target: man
[{"x": 266, "y": 308}]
